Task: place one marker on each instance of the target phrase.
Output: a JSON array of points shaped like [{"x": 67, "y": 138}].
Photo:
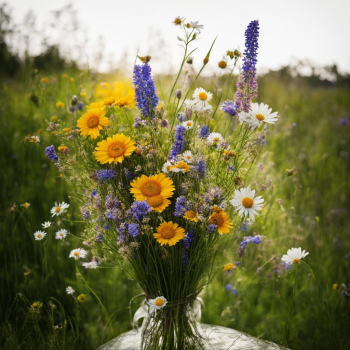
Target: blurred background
[{"x": 50, "y": 51}]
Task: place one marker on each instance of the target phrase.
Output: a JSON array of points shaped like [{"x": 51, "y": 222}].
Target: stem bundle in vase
[{"x": 161, "y": 184}]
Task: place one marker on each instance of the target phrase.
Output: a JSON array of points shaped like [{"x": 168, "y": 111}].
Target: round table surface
[{"x": 217, "y": 337}]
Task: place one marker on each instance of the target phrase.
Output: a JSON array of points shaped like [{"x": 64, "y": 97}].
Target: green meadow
[{"x": 306, "y": 307}]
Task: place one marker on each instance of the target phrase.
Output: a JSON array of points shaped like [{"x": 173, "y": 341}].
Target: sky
[{"x": 290, "y": 30}]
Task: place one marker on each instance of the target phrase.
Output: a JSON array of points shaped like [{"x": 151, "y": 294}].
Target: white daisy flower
[
  {"x": 167, "y": 167},
  {"x": 201, "y": 95},
  {"x": 35, "y": 139},
  {"x": 25, "y": 205},
  {"x": 156, "y": 304},
  {"x": 190, "y": 104},
  {"x": 262, "y": 114},
  {"x": 196, "y": 26},
  {"x": 70, "y": 290},
  {"x": 187, "y": 157},
  {"x": 179, "y": 20},
  {"x": 188, "y": 124},
  {"x": 214, "y": 138},
  {"x": 246, "y": 117},
  {"x": 294, "y": 255},
  {"x": 46, "y": 224},
  {"x": 246, "y": 203},
  {"x": 60, "y": 234},
  {"x": 59, "y": 208},
  {"x": 78, "y": 253},
  {"x": 90, "y": 265},
  {"x": 39, "y": 235}
]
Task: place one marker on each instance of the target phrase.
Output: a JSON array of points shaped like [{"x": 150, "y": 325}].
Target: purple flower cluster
[
  {"x": 51, "y": 154},
  {"x": 204, "y": 132},
  {"x": 130, "y": 175},
  {"x": 121, "y": 233},
  {"x": 179, "y": 143},
  {"x": 188, "y": 238},
  {"x": 180, "y": 206},
  {"x": 140, "y": 210},
  {"x": 80, "y": 106},
  {"x": 106, "y": 174},
  {"x": 86, "y": 215},
  {"x": 212, "y": 228},
  {"x": 201, "y": 168},
  {"x": 247, "y": 86},
  {"x": 184, "y": 258},
  {"x": 230, "y": 289},
  {"x": 133, "y": 229},
  {"x": 248, "y": 239},
  {"x": 229, "y": 107},
  {"x": 231, "y": 168},
  {"x": 145, "y": 91},
  {"x": 181, "y": 117}
]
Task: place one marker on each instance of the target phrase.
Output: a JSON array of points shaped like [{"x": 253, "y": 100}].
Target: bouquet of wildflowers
[{"x": 162, "y": 185}]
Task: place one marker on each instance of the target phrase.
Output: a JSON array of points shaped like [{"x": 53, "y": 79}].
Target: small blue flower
[
  {"x": 106, "y": 174},
  {"x": 180, "y": 206},
  {"x": 133, "y": 230},
  {"x": 229, "y": 107},
  {"x": 80, "y": 106},
  {"x": 234, "y": 292},
  {"x": 86, "y": 215},
  {"x": 181, "y": 117},
  {"x": 188, "y": 238},
  {"x": 179, "y": 142},
  {"x": 204, "y": 132},
  {"x": 140, "y": 210},
  {"x": 51, "y": 154},
  {"x": 212, "y": 228},
  {"x": 228, "y": 287},
  {"x": 201, "y": 168},
  {"x": 231, "y": 168}
]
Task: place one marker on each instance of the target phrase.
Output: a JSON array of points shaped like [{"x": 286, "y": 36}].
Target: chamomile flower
[
  {"x": 294, "y": 255},
  {"x": 196, "y": 26},
  {"x": 35, "y": 139},
  {"x": 39, "y": 235},
  {"x": 188, "y": 124},
  {"x": 25, "y": 205},
  {"x": 60, "y": 234},
  {"x": 187, "y": 157},
  {"x": 214, "y": 138},
  {"x": 167, "y": 167},
  {"x": 178, "y": 20},
  {"x": 201, "y": 95},
  {"x": 262, "y": 114},
  {"x": 46, "y": 224},
  {"x": 90, "y": 265},
  {"x": 246, "y": 203},
  {"x": 59, "y": 209},
  {"x": 78, "y": 253},
  {"x": 156, "y": 304},
  {"x": 70, "y": 290}
]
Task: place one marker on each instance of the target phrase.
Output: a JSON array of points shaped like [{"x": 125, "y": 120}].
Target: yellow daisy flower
[
  {"x": 191, "y": 216},
  {"x": 221, "y": 220},
  {"x": 155, "y": 189},
  {"x": 229, "y": 267},
  {"x": 184, "y": 167},
  {"x": 109, "y": 101},
  {"x": 96, "y": 105},
  {"x": 169, "y": 233},
  {"x": 60, "y": 105},
  {"x": 114, "y": 149},
  {"x": 92, "y": 122},
  {"x": 82, "y": 298}
]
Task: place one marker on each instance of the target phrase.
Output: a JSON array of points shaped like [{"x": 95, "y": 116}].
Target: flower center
[
  {"x": 247, "y": 202},
  {"x": 155, "y": 201},
  {"x": 202, "y": 96},
  {"x": 260, "y": 117},
  {"x": 93, "y": 121},
  {"x": 35, "y": 304},
  {"x": 296, "y": 260},
  {"x": 150, "y": 188},
  {"x": 216, "y": 140},
  {"x": 188, "y": 123},
  {"x": 188, "y": 157},
  {"x": 168, "y": 232},
  {"x": 116, "y": 149},
  {"x": 39, "y": 235},
  {"x": 216, "y": 219},
  {"x": 177, "y": 21},
  {"x": 222, "y": 64},
  {"x": 182, "y": 165},
  {"x": 57, "y": 209},
  {"x": 76, "y": 253},
  {"x": 159, "y": 302},
  {"x": 61, "y": 234}
]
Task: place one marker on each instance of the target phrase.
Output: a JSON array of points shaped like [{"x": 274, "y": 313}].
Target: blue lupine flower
[
  {"x": 140, "y": 210},
  {"x": 204, "y": 132},
  {"x": 180, "y": 206},
  {"x": 189, "y": 238},
  {"x": 254, "y": 239},
  {"x": 231, "y": 168},
  {"x": 133, "y": 230},
  {"x": 106, "y": 226},
  {"x": 181, "y": 117},
  {"x": 212, "y": 228},
  {"x": 179, "y": 142},
  {"x": 201, "y": 168},
  {"x": 51, "y": 154},
  {"x": 145, "y": 91},
  {"x": 80, "y": 106},
  {"x": 247, "y": 87},
  {"x": 184, "y": 258},
  {"x": 229, "y": 107},
  {"x": 86, "y": 215},
  {"x": 106, "y": 174},
  {"x": 130, "y": 175}
]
